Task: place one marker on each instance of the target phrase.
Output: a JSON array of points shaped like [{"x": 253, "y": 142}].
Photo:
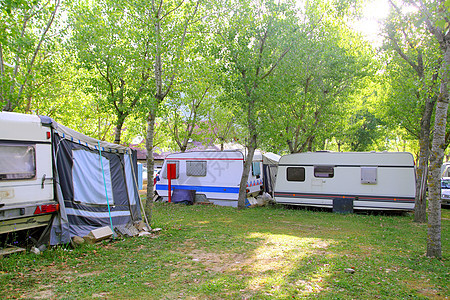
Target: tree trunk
[
  {"x": 436, "y": 157},
  {"x": 245, "y": 172},
  {"x": 251, "y": 150},
  {"x": 150, "y": 162},
  {"x": 119, "y": 125},
  {"x": 420, "y": 214}
]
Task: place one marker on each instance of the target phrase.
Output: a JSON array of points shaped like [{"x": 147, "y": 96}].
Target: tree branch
[
  {"x": 30, "y": 67},
  {"x": 171, "y": 11},
  {"x": 179, "y": 50}
]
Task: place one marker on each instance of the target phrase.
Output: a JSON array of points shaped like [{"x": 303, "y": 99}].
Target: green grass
[{"x": 210, "y": 252}]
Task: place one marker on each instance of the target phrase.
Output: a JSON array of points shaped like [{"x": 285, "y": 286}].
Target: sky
[{"x": 373, "y": 13}]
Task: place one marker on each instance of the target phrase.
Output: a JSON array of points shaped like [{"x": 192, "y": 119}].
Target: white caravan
[
  {"x": 51, "y": 175},
  {"x": 26, "y": 173},
  {"x": 374, "y": 180},
  {"x": 214, "y": 175}
]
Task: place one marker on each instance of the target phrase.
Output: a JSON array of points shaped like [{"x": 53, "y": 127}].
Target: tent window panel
[
  {"x": 164, "y": 171},
  {"x": 196, "y": 168},
  {"x": 17, "y": 162},
  {"x": 256, "y": 168},
  {"x": 324, "y": 171},
  {"x": 88, "y": 183},
  {"x": 129, "y": 177},
  {"x": 295, "y": 174}
]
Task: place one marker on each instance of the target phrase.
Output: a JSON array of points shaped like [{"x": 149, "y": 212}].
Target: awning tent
[
  {"x": 270, "y": 166},
  {"x": 95, "y": 184}
]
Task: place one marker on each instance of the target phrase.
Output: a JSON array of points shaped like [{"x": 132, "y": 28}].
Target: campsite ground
[{"x": 210, "y": 252}]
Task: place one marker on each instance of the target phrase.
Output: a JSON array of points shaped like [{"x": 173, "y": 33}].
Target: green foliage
[
  {"x": 298, "y": 66},
  {"x": 29, "y": 51},
  {"x": 314, "y": 88},
  {"x": 108, "y": 46},
  {"x": 410, "y": 76}
]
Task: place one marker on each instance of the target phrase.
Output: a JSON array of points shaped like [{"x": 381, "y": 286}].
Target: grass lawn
[{"x": 211, "y": 252}]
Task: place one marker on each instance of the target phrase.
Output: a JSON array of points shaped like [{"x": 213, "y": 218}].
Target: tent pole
[
  {"x": 106, "y": 190},
  {"x": 137, "y": 189}
]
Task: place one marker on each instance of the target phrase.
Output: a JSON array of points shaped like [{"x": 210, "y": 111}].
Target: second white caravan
[
  {"x": 214, "y": 175},
  {"x": 374, "y": 180}
]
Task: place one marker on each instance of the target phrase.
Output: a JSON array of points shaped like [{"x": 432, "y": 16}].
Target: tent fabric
[
  {"x": 183, "y": 196},
  {"x": 80, "y": 138},
  {"x": 270, "y": 167},
  {"x": 80, "y": 187}
]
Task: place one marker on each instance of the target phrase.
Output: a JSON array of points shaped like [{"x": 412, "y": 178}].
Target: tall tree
[
  {"x": 436, "y": 15},
  {"x": 253, "y": 38},
  {"x": 407, "y": 38},
  {"x": 316, "y": 81},
  {"x": 188, "y": 106},
  {"x": 24, "y": 37},
  {"x": 170, "y": 24},
  {"x": 106, "y": 41}
]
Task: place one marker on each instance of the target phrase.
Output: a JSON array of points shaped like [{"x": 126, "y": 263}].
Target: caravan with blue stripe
[{"x": 214, "y": 175}]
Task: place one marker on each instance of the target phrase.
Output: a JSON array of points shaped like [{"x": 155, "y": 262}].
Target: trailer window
[
  {"x": 164, "y": 171},
  {"x": 256, "y": 168},
  {"x": 295, "y": 174},
  {"x": 196, "y": 168},
  {"x": 324, "y": 171},
  {"x": 17, "y": 162}
]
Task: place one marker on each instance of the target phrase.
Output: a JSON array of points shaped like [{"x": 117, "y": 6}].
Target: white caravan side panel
[{"x": 390, "y": 184}]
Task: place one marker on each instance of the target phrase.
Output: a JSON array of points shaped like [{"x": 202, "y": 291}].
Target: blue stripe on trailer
[{"x": 204, "y": 189}]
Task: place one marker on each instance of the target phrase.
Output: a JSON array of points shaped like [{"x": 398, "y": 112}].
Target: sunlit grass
[
  {"x": 210, "y": 252},
  {"x": 279, "y": 256}
]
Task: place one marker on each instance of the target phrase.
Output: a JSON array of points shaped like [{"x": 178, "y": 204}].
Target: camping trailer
[
  {"x": 51, "y": 175},
  {"x": 26, "y": 174},
  {"x": 370, "y": 180},
  {"x": 214, "y": 175}
]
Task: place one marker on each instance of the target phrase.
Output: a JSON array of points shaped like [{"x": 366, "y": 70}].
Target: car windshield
[{"x": 445, "y": 183}]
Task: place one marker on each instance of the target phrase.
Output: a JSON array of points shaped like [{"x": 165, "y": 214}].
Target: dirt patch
[
  {"x": 44, "y": 292},
  {"x": 320, "y": 245},
  {"x": 89, "y": 274},
  {"x": 100, "y": 295},
  {"x": 219, "y": 262},
  {"x": 432, "y": 294}
]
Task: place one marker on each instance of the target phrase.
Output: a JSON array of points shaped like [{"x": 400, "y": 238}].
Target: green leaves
[{"x": 8, "y": 6}]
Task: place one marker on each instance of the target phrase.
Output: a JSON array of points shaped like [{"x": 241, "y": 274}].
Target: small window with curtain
[
  {"x": 17, "y": 162},
  {"x": 295, "y": 174},
  {"x": 324, "y": 171},
  {"x": 256, "y": 168},
  {"x": 196, "y": 168}
]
